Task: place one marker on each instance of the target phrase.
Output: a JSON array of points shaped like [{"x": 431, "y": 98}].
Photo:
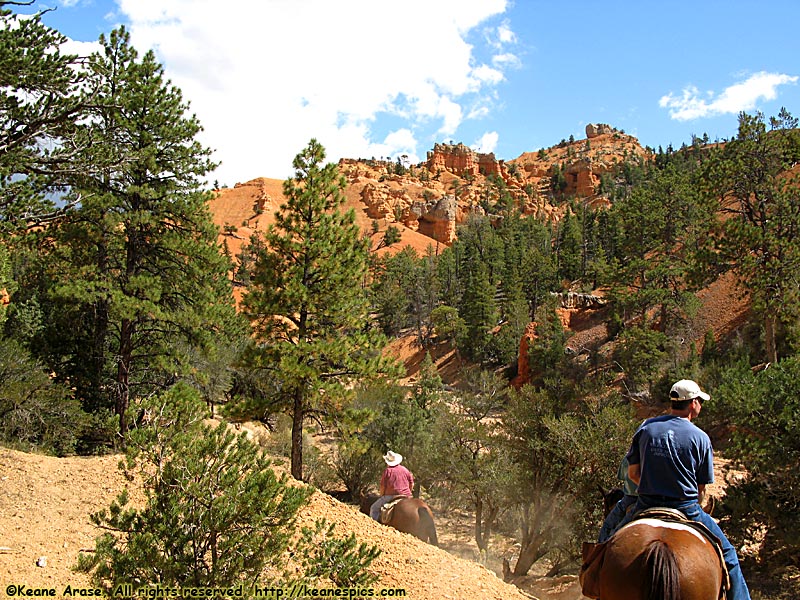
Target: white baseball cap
[{"x": 686, "y": 389}]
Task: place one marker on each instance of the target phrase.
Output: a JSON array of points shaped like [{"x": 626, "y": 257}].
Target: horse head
[
  {"x": 610, "y": 498},
  {"x": 365, "y": 501}
]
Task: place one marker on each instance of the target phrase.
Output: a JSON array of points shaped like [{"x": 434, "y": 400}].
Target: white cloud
[
  {"x": 487, "y": 143},
  {"x": 80, "y": 48},
  {"x": 265, "y": 76},
  {"x": 505, "y": 34},
  {"x": 478, "y": 112},
  {"x": 451, "y": 114},
  {"x": 486, "y": 74},
  {"x": 397, "y": 144},
  {"x": 506, "y": 58},
  {"x": 400, "y": 141},
  {"x": 691, "y": 104}
]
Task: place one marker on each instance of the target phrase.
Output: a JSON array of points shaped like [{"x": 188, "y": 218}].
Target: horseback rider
[
  {"x": 395, "y": 481},
  {"x": 623, "y": 506},
  {"x": 672, "y": 461}
]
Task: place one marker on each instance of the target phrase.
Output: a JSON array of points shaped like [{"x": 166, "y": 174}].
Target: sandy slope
[{"x": 45, "y": 504}]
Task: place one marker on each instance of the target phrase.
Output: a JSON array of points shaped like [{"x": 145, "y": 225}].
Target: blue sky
[{"x": 372, "y": 78}]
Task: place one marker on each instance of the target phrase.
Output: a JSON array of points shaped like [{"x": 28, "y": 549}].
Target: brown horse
[
  {"x": 650, "y": 559},
  {"x": 410, "y": 515}
]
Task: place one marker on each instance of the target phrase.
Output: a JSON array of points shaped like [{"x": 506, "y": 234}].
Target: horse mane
[{"x": 662, "y": 569}]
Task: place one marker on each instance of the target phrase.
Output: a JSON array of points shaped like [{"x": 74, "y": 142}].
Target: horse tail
[
  {"x": 427, "y": 525},
  {"x": 662, "y": 569}
]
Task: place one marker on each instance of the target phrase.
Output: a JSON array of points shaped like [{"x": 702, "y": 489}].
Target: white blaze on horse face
[{"x": 667, "y": 525}]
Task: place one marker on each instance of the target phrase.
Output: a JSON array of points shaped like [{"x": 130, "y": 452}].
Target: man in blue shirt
[{"x": 672, "y": 461}]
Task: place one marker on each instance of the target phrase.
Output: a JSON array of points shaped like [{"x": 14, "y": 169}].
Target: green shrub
[
  {"x": 35, "y": 411},
  {"x": 357, "y": 465},
  {"x": 319, "y": 471},
  {"x": 328, "y": 559},
  {"x": 641, "y": 353},
  {"x": 761, "y": 411},
  {"x": 215, "y": 512}
]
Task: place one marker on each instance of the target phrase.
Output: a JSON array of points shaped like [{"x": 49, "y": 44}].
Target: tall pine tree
[
  {"x": 663, "y": 224},
  {"x": 142, "y": 271},
  {"x": 307, "y": 303}
]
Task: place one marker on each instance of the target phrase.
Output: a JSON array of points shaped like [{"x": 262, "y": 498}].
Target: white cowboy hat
[{"x": 393, "y": 458}]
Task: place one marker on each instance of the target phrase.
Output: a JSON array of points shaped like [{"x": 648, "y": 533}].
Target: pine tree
[
  {"x": 215, "y": 513},
  {"x": 309, "y": 309},
  {"x": 478, "y": 309},
  {"x": 140, "y": 262},
  {"x": 424, "y": 296},
  {"x": 391, "y": 288},
  {"x": 42, "y": 96},
  {"x": 568, "y": 248},
  {"x": 662, "y": 225},
  {"x": 759, "y": 239},
  {"x": 538, "y": 272}
]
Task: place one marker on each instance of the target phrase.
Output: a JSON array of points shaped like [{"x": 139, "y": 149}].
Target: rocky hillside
[{"x": 431, "y": 198}]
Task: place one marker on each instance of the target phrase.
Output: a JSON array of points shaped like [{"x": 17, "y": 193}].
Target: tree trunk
[
  {"x": 528, "y": 554},
  {"x": 479, "y": 537},
  {"x": 297, "y": 435},
  {"x": 99, "y": 337},
  {"x": 99, "y": 356},
  {"x": 485, "y": 516},
  {"x": 123, "y": 375},
  {"x": 770, "y": 324},
  {"x": 538, "y": 533}
]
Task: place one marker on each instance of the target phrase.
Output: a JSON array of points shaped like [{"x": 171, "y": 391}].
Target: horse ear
[{"x": 602, "y": 491}]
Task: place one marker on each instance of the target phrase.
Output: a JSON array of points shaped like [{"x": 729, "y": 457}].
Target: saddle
[
  {"x": 594, "y": 554},
  {"x": 386, "y": 509}
]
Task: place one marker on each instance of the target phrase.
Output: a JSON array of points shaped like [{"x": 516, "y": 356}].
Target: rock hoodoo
[
  {"x": 595, "y": 129},
  {"x": 523, "y": 363},
  {"x": 437, "y": 219},
  {"x": 462, "y": 160}
]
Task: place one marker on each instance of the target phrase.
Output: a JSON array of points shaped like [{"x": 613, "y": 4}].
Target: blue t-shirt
[{"x": 675, "y": 457}]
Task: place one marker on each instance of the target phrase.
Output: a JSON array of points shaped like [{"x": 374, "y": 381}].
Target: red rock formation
[
  {"x": 439, "y": 220},
  {"x": 583, "y": 161},
  {"x": 382, "y": 202},
  {"x": 523, "y": 365},
  {"x": 461, "y": 160},
  {"x": 582, "y": 180},
  {"x": 595, "y": 129}
]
